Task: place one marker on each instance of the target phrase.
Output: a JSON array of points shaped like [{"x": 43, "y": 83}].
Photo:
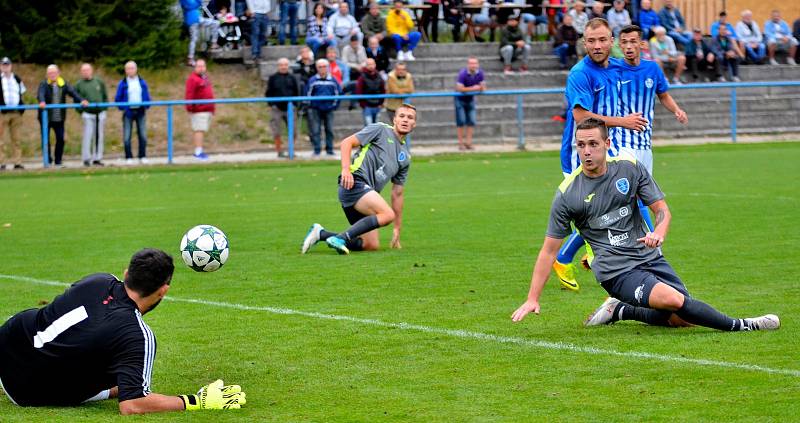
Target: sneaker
[
  {"x": 507, "y": 70},
  {"x": 790, "y": 60},
  {"x": 87, "y": 163},
  {"x": 283, "y": 155},
  {"x": 401, "y": 56},
  {"x": 736, "y": 79},
  {"x": 129, "y": 162},
  {"x": 144, "y": 160},
  {"x": 773, "y": 62},
  {"x": 337, "y": 244},
  {"x": 721, "y": 79},
  {"x": 677, "y": 81},
  {"x": 566, "y": 274},
  {"x": 201, "y": 156},
  {"x": 523, "y": 69},
  {"x": 603, "y": 314},
  {"x": 410, "y": 56},
  {"x": 98, "y": 163},
  {"x": 312, "y": 238},
  {"x": 17, "y": 166},
  {"x": 765, "y": 322},
  {"x": 2, "y": 167}
]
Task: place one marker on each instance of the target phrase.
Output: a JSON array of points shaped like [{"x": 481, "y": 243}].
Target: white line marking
[{"x": 464, "y": 334}]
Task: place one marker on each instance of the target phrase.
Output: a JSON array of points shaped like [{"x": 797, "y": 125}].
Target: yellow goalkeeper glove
[{"x": 215, "y": 396}]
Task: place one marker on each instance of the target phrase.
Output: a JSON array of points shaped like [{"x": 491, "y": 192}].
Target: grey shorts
[
  {"x": 634, "y": 286},
  {"x": 349, "y": 197}
]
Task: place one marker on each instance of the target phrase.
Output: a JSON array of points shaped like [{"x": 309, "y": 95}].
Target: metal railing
[{"x": 169, "y": 104}]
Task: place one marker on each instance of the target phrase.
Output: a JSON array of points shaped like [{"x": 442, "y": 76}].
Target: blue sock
[
  {"x": 567, "y": 252},
  {"x": 645, "y": 212}
]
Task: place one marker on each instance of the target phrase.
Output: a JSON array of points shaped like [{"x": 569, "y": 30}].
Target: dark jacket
[
  {"x": 122, "y": 95},
  {"x": 666, "y": 20},
  {"x": 691, "y": 49},
  {"x": 381, "y": 59},
  {"x": 721, "y": 45},
  {"x": 327, "y": 86},
  {"x": 370, "y": 83},
  {"x": 282, "y": 85},
  {"x": 45, "y": 95},
  {"x": 509, "y": 35},
  {"x": 566, "y": 34},
  {"x": 303, "y": 71},
  {"x": 3, "y": 100}
]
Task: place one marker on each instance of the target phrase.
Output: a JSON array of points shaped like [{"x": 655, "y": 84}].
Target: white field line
[{"x": 465, "y": 334}]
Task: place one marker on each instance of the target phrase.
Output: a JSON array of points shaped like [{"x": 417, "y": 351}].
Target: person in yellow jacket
[
  {"x": 399, "y": 25},
  {"x": 400, "y": 82}
]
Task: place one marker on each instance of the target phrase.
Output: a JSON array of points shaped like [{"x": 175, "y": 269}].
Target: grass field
[{"x": 424, "y": 333}]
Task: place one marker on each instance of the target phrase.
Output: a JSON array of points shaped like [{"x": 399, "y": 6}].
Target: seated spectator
[
  {"x": 723, "y": 21},
  {"x": 513, "y": 45},
  {"x": 618, "y": 17},
  {"x": 282, "y": 84},
  {"x": 451, "y": 10},
  {"x": 701, "y": 57},
  {"x": 370, "y": 82},
  {"x": 666, "y": 55},
  {"x": 194, "y": 19},
  {"x": 375, "y": 51},
  {"x": 373, "y": 24},
  {"x": 648, "y": 19},
  {"x": 400, "y": 27},
  {"x": 337, "y": 68},
  {"x": 750, "y": 38},
  {"x": 672, "y": 20},
  {"x": 355, "y": 57},
  {"x": 320, "y": 112},
  {"x": 579, "y": 17},
  {"x": 776, "y": 31},
  {"x": 480, "y": 21},
  {"x": 796, "y": 35},
  {"x": 317, "y": 36},
  {"x": 727, "y": 52},
  {"x": 343, "y": 25},
  {"x": 529, "y": 21},
  {"x": 331, "y": 7},
  {"x": 400, "y": 82},
  {"x": 598, "y": 10},
  {"x": 566, "y": 38}
]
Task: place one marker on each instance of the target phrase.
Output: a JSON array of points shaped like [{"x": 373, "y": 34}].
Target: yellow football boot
[{"x": 566, "y": 274}]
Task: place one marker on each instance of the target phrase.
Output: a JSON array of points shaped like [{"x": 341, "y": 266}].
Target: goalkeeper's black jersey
[{"x": 89, "y": 339}]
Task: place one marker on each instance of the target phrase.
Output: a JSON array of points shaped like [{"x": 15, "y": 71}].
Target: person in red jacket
[{"x": 198, "y": 87}]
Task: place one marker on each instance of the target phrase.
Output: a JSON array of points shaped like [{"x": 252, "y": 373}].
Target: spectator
[
  {"x": 317, "y": 31},
  {"x": 513, "y": 45},
  {"x": 198, "y": 87},
  {"x": 400, "y": 82},
  {"x": 194, "y": 19},
  {"x": 259, "y": 15},
  {"x": 282, "y": 84},
  {"x": 723, "y": 21},
  {"x": 305, "y": 67},
  {"x": 579, "y": 17},
  {"x": 470, "y": 80},
  {"x": 776, "y": 31},
  {"x": 796, "y": 35},
  {"x": 288, "y": 15},
  {"x": 430, "y": 18},
  {"x": 666, "y": 55},
  {"x": 727, "y": 53},
  {"x": 133, "y": 89},
  {"x": 750, "y": 37},
  {"x": 701, "y": 57},
  {"x": 530, "y": 20},
  {"x": 11, "y": 91},
  {"x": 618, "y": 17},
  {"x": 370, "y": 82},
  {"x": 598, "y": 11},
  {"x": 355, "y": 57},
  {"x": 451, "y": 11},
  {"x": 373, "y": 24},
  {"x": 375, "y": 51},
  {"x": 565, "y": 42},
  {"x": 54, "y": 90},
  {"x": 648, "y": 19},
  {"x": 337, "y": 68},
  {"x": 343, "y": 25},
  {"x": 672, "y": 20},
  {"x": 320, "y": 112},
  {"x": 93, "y": 89},
  {"x": 399, "y": 26}
]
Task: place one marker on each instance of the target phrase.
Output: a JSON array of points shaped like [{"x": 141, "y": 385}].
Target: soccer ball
[{"x": 204, "y": 248}]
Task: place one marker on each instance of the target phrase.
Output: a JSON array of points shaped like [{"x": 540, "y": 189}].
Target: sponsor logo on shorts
[
  {"x": 617, "y": 240},
  {"x": 639, "y": 293},
  {"x": 623, "y": 186}
]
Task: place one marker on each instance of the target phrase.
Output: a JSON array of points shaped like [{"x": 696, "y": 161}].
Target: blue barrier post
[
  {"x": 520, "y": 128},
  {"x": 733, "y": 114},
  {"x": 290, "y": 128},
  {"x": 45, "y": 139},
  {"x": 169, "y": 134}
]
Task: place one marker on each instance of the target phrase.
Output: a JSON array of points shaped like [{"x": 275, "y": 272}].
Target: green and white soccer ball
[{"x": 204, "y": 248}]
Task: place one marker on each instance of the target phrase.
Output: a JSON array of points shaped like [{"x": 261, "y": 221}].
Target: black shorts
[{"x": 634, "y": 286}]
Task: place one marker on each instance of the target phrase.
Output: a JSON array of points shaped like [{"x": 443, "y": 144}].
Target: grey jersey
[
  {"x": 381, "y": 158},
  {"x": 605, "y": 211}
]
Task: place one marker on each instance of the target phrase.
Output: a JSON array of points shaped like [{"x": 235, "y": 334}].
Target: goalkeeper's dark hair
[
  {"x": 149, "y": 270},
  {"x": 593, "y": 123}
]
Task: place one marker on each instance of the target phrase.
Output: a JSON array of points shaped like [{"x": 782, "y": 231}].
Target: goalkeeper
[{"x": 91, "y": 344}]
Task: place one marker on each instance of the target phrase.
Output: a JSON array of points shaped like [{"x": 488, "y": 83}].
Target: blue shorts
[
  {"x": 465, "y": 112},
  {"x": 634, "y": 286}
]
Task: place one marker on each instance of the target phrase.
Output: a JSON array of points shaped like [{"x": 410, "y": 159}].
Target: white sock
[{"x": 198, "y": 151}]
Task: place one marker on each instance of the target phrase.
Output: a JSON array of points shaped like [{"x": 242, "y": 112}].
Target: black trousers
[
  {"x": 431, "y": 17},
  {"x": 58, "y": 129},
  {"x": 702, "y": 65}
]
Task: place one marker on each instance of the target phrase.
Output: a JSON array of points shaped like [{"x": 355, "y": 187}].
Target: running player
[
  {"x": 383, "y": 156},
  {"x": 91, "y": 344},
  {"x": 599, "y": 198}
]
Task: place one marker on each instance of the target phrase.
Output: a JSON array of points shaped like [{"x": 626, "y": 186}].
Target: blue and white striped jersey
[{"x": 638, "y": 88}]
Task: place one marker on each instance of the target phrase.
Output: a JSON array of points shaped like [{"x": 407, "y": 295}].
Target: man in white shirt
[
  {"x": 750, "y": 37},
  {"x": 11, "y": 91}
]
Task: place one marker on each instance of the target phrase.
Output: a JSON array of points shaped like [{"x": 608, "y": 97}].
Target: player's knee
[
  {"x": 370, "y": 244},
  {"x": 386, "y": 217},
  {"x": 664, "y": 297}
]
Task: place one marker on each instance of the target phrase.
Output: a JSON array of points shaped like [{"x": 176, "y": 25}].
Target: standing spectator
[
  {"x": 666, "y": 55},
  {"x": 451, "y": 10},
  {"x": 375, "y": 51},
  {"x": 370, "y": 82},
  {"x": 133, "y": 89},
  {"x": 727, "y": 53},
  {"x": 373, "y": 24},
  {"x": 259, "y": 14},
  {"x": 776, "y": 31},
  {"x": 430, "y": 18},
  {"x": 193, "y": 19},
  {"x": 320, "y": 112},
  {"x": 355, "y": 57},
  {"x": 648, "y": 19},
  {"x": 400, "y": 27},
  {"x": 701, "y": 57},
  {"x": 750, "y": 37},
  {"x": 305, "y": 68},
  {"x": 288, "y": 15},
  {"x": 618, "y": 17},
  {"x": 54, "y": 90},
  {"x": 343, "y": 25},
  {"x": 672, "y": 20},
  {"x": 317, "y": 31},
  {"x": 469, "y": 80},
  {"x": 198, "y": 87},
  {"x": 337, "y": 68},
  {"x": 282, "y": 84},
  {"x": 796, "y": 35},
  {"x": 11, "y": 90},
  {"x": 93, "y": 89},
  {"x": 565, "y": 41},
  {"x": 513, "y": 45},
  {"x": 400, "y": 82},
  {"x": 722, "y": 21}
]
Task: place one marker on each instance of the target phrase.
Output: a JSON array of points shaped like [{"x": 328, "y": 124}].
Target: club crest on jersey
[
  {"x": 401, "y": 157},
  {"x": 623, "y": 186},
  {"x": 648, "y": 82}
]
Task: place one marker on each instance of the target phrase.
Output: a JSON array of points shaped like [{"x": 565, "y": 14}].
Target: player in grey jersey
[
  {"x": 383, "y": 156},
  {"x": 600, "y": 199}
]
